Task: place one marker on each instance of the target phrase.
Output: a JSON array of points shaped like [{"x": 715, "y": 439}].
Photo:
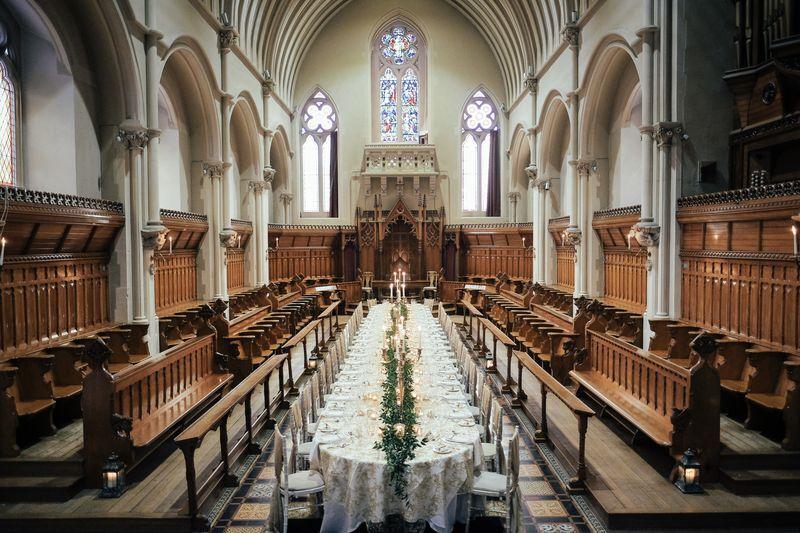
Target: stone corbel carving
[
  {"x": 134, "y": 137},
  {"x": 153, "y": 238},
  {"x": 228, "y": 36},
  {"x": 532, "y": 171},
  {"x": 531, "y": 81},
  {"x": 647, "y": 235},
  {"x": 228, "y": 238},
  {"x": 586, "y": 167},
  {"x": 268, "y": 85},
  {"x": 570, "y": 34},
  {"x": 269, "y": 176},
  {"x": 665, "y": 132},
  {"x": 572, "y": 236}
]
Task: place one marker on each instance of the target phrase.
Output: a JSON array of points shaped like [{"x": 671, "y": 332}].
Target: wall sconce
[
  {"x": 688, "y": 480},
  {"x": 113, "y": 477}
]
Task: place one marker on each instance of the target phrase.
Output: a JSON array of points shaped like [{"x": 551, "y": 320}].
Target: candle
[
  {"x": 523, "y": 242},
  {"x": 170, "y": 244},
  {"x": 794, "y": 240},
  {"x": 404, "y": 290},
  {"x": 3, "y": 251},
  {"x": 391, "y": 291},
  {"x": 276, "y": 243}
]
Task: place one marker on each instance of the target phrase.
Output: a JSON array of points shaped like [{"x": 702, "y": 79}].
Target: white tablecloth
[{"x": 357, "y": 484}]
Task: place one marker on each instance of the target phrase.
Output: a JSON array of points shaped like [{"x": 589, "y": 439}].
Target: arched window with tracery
[
  {"x": 8, "y": 122},
  {"x": 399, "y": 76},
  {"x": 480, "y": 158},
  {"x": 318, "y": 141}
]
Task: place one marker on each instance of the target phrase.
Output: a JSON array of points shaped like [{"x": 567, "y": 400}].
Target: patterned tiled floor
[{"x": 546, "y": 505}]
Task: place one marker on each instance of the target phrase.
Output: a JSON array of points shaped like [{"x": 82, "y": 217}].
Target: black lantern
[
  {"x": 688, "y": 480},
  {"x": 313, "y": 362},
  {"x": 113, "y": 477}
]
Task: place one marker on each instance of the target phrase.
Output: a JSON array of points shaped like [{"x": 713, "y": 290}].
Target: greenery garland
[{"x": 399, "y": 439}]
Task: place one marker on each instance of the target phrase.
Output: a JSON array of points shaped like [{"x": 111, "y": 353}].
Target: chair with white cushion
[
  {"x": 494, "y": 422},
  {"x": 432, "y": 288},
  {"x": 500, "y": 486},
  {"x": 293, "y": 484}
]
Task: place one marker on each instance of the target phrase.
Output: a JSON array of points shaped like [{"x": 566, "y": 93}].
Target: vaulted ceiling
[{"x": 276, "y": 34}]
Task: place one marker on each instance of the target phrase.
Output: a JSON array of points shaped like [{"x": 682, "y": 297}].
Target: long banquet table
[{"x": 357, "y": 484}]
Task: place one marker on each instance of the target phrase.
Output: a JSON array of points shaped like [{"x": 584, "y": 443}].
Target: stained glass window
[
  {"x": 410, "y": 107},
  {"x": 8, "y": 125},
  {"x": 319, "y": 120},
  {"x": 398, "y": 52},
  {"x": 388, "y": 102},
  {"x": 478, "y": 120}
]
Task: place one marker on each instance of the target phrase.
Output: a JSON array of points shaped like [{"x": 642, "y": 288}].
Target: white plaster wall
[{"x": 459, "y": 60}]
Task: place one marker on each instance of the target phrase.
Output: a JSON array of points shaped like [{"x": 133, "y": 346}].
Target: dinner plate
[
  {"x": 442, "y": 449},
  {"x": 466, "y": 423}
]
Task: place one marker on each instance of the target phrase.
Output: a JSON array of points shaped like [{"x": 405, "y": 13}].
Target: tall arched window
[
  {"x": 318, "y": 138},
  {"x": 8, "y": 124},
  {"x": 399, "y": 71},
  {"x": 480, "y": 159}
]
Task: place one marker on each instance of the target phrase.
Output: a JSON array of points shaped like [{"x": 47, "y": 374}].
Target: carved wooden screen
[
  {"x": 314, "y": 251},
  {"x": 565, "y": 254},
  {"x": 54, "y": 279},
  {"x": 624, "y": 261},
  {"x": 738, "y": 271},
  {"x": 176, "y": 262}
]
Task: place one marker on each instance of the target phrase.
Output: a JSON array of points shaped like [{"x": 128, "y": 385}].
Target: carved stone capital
[
  {"x": 665, "y": 132},
  {"x": 228, "y": 36},
  {"x": 570, "y": 34},
  {"x": 585, "y": 167},
  {"x": 286, "y": 198},
  {"x": 543, "y": 184},
  {"x": 257, "y": 186},
  {"x": 268, "y": 85},
  {"x": 572, "y": 236},
  {"x": 531, "y": 83},
  {"x": 133, "y": 137},
  {"x": 213, "y": 169},
  {"x": 647, "y": 234},
  {"x": 514, "y": 197}
]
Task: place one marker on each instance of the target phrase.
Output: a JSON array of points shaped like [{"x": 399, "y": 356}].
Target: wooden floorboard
[{"x": 628, "y": 490}]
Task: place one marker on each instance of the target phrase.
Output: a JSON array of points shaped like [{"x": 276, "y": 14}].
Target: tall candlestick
[{"x": 391, "y": 291}]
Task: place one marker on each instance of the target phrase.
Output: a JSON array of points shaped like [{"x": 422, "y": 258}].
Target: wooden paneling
[
  {"x": 48, "y": 301},
  {"x": 624, "y": 261},
  {"x": 450, "y": 290},
  {"x": 738, "y": 274},
  {"x": 565, "y": 254},
  {"x": 485, "y": 250},
  {"x": 314, "y": 251},
  {"x": 235, "y": 269},
  {"x": 175, "y": 279},
  {"x": 54, "y": 280},
  {"x": 176, "y": 264}
]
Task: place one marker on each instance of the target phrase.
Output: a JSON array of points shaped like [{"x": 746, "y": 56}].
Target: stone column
[
  {"x": 267, "y": 87},
  {"x": 513, "y": 200},
  {"x": 585, "y": 169},
  {"x": 286, "y": 199},
  {"x": 572, "y": 235},
  {"x": 647, "y": 35},
  {"x": 227, "y": 37},
  {"x": 258, "y": 187},
  {"x": 135, "y": 137},
  {"x": 214, "y": 170},
  {"x": 665, "y": 134},
  {"x": 154, "y": 225}
]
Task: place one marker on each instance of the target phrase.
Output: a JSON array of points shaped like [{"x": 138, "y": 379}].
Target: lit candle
[
  {"x": 391, "y": 291},
  {"x": 404, "y": 290},
  {"x": 276, "y": 243},
  {"x": 523, "y": 242},
  {"x": 2, "y": 251},
  {"x": 170, "y": 244},
  {"x": 794, "y": 242}
]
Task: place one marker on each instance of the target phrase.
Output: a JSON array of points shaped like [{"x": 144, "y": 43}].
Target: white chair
[
  {"x": 494, "y": 422},
  {"x": 500, "y": 486},
  {"x": 292, "y": 483},
  {"x": 433, "y": 284}
]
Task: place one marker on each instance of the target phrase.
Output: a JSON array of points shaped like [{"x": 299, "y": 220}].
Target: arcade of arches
[{"x": 588, "y": 209}]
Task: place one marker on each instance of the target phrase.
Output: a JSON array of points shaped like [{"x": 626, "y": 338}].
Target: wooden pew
[
  {"x": 26, "y": 393},
  {"x": 216, "y": 418},
  {"x": 132, "y": 412},
  {"x": 677, "y": 408},
  {"x": 498, "y": 335},
  {"x": 581, "y": 411},
  {"x": 775, "y": 387}
]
